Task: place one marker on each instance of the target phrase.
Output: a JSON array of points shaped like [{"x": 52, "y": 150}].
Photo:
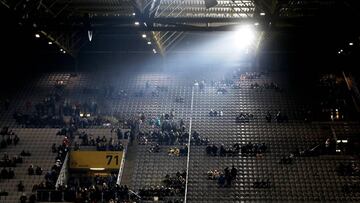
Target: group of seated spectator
[
  {"x": 53, "y": 110},
  {"x": 250, "y": 75},
  {"x": 23, "y": 198},
  {"x": 163, "y": 138},
  {"x": 244, "y": 118},
  {"x": 121, "y": 135},
  {"x": 262, "y": 183},
  {"x": 178, "y": 151},
  {"x": 35, "y": 171},
  {"x": 102, "y": 144},
  {"x": 7, "y": 162},
  {"x": 214, "y": 113},
  {"x": 213, "y": 150},
  {"x": 7, "y": 173},
  {"x": 89, "y": 189},
  {"x": 52, "y": 175},
  {"x": 279, "y": 117},
  {"x": 253, "y": 149},
  {"x": 348, "y": 169},
  {"x": 173, "y": 186},
  {"x": 247, "y": 149},
  {"x": 179, "y": 99},
  {"x": 198, "y": 140},
  {"x": 222, "y": 83},
  {"x": 8, "y": 137},
  {"x": 68, "y": 131},
  {"x": 155, "y": 148},
  {"x": 271, "y": 85},
  {"x": 222, "y": 90},
  {"x": 225, "y": 178},
  {"x": 25, "y": 153}
]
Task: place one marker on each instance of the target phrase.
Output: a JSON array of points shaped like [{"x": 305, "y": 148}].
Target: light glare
[
  {"x": 244, "y": 37},
  {"x": 143, "y": 35},
  {"x": 37, "y": 35}
]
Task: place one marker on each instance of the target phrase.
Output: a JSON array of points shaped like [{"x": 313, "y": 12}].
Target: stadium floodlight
[
  {"x": 50, "y": 43},
  {"x": 143, "y": 35},
  {"x": 37, "y": 35},
  {"x": 262, "y": 14},
  {"x": 244, "y": 36},
  {"x": 149, "y": 43},
  {"x": 351, "y": 43},
  {"x": 137, "y": 23},
  {"x": 61, "y": 50},
  {"x": 133, "y": 14}
]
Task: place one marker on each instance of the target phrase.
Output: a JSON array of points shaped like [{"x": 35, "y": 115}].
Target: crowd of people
[
  {"x": 173, "y": 186},
  {"x": 6, "y": 161},
  {"x": 56, "y": 111},
  {"x": 90, "y": 191},
  {"x": 52, "y": 175},
  {"x": 279, "y": 117},
  {"x": 244, "y": 118},
  {"x": 248, "y": 75},
  {"x": 225, "y": 178},
  {"x": 8, "y": 138},
  {"x": 35, "y": 171},
  {"x": 236, "y": 149},
  {"x": 270, "y": 85},
  {"x": 102, "y": 144},
  {"x": 178, "y": 151},
  {"x": 166, "y": 131},
  {"x": 214, "y": 113}
]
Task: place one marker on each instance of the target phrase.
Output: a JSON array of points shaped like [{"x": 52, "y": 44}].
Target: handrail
[
  {"x": 62, "y": 179},
  {"x": 122, "y": 164}
]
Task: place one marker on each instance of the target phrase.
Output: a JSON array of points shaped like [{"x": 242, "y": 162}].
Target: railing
[
  {"x": 122, "y": 164},
  {"x": 62, "y": 179},
  {"x": 70, "y": 196}
]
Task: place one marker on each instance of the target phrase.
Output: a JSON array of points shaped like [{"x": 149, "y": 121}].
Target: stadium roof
[{"x": 67, "y": 22}]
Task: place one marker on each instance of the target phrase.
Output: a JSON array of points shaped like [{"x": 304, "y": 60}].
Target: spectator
[
  {"x": 23, "y": 198},
  {"x": 31, "y": 170},
  {"x": 20, "y": 186},
  {"x": 233, "y": 172},
  {"x": 38, "y": 170},
  {"x": 32, "y": 198},
  {"x": 11, "y": 173}
]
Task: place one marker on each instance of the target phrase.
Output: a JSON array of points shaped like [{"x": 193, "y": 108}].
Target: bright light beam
[{"x": 244, "y": 37}]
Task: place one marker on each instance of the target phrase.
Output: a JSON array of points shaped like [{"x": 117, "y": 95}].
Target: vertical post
[{"x": 189, "y": 144}]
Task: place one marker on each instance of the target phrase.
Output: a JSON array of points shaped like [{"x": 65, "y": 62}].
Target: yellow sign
[{"x": 95, "y": 159}]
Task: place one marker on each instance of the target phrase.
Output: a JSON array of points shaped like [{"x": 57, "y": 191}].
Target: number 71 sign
[{"x": 95, "y": 159}]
